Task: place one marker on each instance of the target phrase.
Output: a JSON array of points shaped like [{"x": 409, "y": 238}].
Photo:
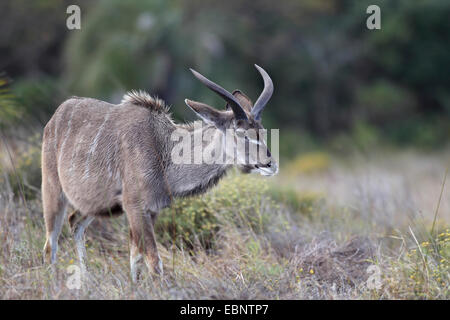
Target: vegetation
[
  {"x": 375, "y": 87},
  {"x": 253, "y": 238},
  {"x": 361, "y": 207}
]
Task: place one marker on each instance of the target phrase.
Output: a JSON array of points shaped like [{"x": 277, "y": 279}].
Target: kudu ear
[
  {"x": 206, "y": 113},
  {"x": 245, "y": 101}
]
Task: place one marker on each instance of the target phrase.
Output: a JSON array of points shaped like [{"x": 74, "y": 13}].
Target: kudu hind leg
[{"x": 54, "y": 203}]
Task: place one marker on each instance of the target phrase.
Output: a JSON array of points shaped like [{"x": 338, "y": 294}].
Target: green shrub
[
  {"x": 243, "y": 201},
  {"x": 189, "y": 220},
  {"x": 26, "y": 174},
  {"x": 9, "y": 112},
  {"x": 301, "y": 202},
  {"x": 384, "y": 100},
  {"x": 38, "y": 98},
  {"x": 365, "y": 136}
]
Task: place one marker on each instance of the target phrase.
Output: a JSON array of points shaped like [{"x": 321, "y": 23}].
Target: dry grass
[{"x": 306, "y": 236}]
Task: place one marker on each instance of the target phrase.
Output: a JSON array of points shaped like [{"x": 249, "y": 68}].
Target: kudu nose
[{"x": 267, "y": 165}]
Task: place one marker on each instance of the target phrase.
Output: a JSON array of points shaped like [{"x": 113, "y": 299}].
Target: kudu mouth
[
  {"x": 267, "y": 170},
  {"x": 238, "y": 110}
]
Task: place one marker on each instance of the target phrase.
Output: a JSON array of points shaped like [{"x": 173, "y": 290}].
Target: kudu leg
[
  {"x": 143, "y": 245},
  {"x": 54, "y": 204},
  {"x": 79, "y": 230}
]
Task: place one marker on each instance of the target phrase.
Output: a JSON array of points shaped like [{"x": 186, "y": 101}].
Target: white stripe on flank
[
  {"x": 55, "y": 141},
  {"x": 67, "y": 135},
  {"x": 94, "y": 144},
  {"x": 76, "y": 148}
]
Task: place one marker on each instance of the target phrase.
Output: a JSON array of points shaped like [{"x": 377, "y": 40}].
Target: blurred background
[
  {"x": 337, "y": 84},
  {"x": 342, "y": 91},
  {"x": 364, "y": 119}
]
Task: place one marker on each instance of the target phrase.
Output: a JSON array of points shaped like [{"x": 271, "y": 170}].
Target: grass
[{"x": 323, "y": 232}]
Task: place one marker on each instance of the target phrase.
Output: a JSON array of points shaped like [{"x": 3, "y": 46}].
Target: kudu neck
[{"x": 198, "y": 174}]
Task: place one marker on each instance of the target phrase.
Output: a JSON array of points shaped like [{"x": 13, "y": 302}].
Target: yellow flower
[
  {"x": 70, "y": 261},
  {"x": 311, "y": 271}
]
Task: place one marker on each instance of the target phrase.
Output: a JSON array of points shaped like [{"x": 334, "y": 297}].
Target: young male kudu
[{"x": 105, "y": 159}]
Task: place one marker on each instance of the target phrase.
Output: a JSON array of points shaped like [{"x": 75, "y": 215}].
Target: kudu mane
[{"x": 144, "y": 99}]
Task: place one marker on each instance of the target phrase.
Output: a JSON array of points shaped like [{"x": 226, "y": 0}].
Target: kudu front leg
[{"x": 143, "y": 245}]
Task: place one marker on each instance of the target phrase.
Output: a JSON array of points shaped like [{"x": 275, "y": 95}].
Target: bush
[
  {"x": 38, "y": 99},
  {"x": 383, "y": 101},
  {"x": 301, "y": 202},
  {"x": 9, "y": 112},
  {"x": 244, "y": 202},
  {"x": 26, "y": 174},
  {"x": 190, "y": 221}
]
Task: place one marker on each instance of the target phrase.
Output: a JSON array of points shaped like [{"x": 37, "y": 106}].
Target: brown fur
[{"x": 100, "y": 158}]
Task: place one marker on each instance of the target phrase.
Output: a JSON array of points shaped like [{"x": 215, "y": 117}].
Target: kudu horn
[
  {"x": 238, "y": 111},
  {"x": 265, "y": 94}
]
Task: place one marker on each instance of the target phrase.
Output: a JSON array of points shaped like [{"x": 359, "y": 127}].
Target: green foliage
[
  {"x": 365, "y": 136},
  {"x": 37, "y": 99},
  {"x": 190, "y": 221},
  {"x": 26, "y": 175},
  {"x": 384, "y": 100},
  {"x": 364, "y": 87},
  {"x": 244, "y": 202},
  {"x": 32, "y": 33},
  {"x": 151, "y": 44},
  {"x": 256, "y": 265},
  {"x": 294, "y": 142},
  {"x": 136, "y": 50},
  {"x": 9, "y": 112},
  {"x": 301, "y": 202}
]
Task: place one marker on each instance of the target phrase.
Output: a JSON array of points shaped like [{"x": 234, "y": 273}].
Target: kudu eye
[{"x": 241, "y": 133}]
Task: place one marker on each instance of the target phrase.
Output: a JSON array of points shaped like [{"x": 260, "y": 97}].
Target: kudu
[{"x": 105, "y": 159}]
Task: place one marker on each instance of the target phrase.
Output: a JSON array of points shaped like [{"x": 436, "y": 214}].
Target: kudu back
[{"x": 105, "y": 159}]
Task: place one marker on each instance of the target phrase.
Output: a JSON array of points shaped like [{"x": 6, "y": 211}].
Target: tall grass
[{"x": 312, "y": 236}]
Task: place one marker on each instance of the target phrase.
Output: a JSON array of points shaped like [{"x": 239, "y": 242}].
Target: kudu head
[{"x": 242, "y": 120}]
